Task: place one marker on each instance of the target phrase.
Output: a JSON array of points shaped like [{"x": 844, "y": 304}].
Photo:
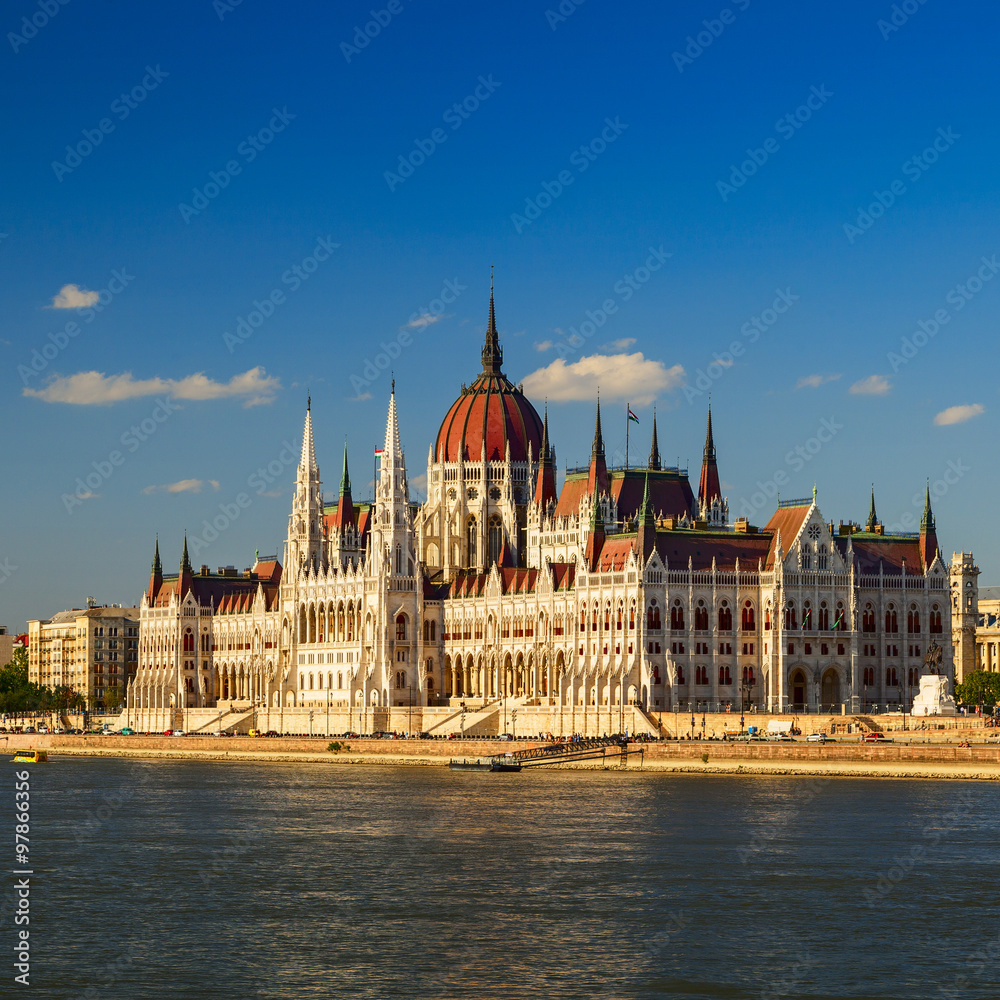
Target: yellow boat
[{"x": 31, "y": 757}]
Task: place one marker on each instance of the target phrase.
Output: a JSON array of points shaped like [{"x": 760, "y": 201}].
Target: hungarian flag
[
  {"x": 840, "y": 618},
  {"x": 379, "y": 451},
  {"x": 631, "y": 415}
]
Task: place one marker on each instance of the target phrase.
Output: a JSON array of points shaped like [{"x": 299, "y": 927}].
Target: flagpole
[{"x": 628, "y": 410}]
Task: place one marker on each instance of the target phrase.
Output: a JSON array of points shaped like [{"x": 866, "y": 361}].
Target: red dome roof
[{"x": 491, "y": 410}]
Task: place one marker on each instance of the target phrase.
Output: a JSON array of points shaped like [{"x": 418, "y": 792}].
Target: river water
[{"x": 184, "y": 879}]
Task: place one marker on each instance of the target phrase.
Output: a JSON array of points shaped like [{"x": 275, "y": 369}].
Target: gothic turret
[
  {"x": 647, "y": 525},
  {"x": 186, "y": 576},
  {"x": 492, "y": 352},
  {"x": 305, "y": 524},
  {"x": 597, "y": 481},
  {"x": 345, "y": 504},
  {"x": 872, "y": 523},
  {"x": 928, "y": 532},
  {"x": 712, "y": 506},
  {"x": 708, "y": 487},
  {"x": 545, "y": 487},
  {"x": 392, "y": 534},
  {"x": 156, "y": 573},
  {"x": 654, "y": 449}
]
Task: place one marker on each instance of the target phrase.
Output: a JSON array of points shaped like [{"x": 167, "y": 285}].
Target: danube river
[{"x": 182, "y": 879}]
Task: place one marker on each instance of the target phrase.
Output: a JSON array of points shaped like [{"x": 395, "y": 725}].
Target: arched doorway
[
  {"x": 830, "y": 691},
  {"x": 798, "y": 689}
]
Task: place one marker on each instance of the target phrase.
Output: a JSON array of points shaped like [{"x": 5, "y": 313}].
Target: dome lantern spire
[{"x": 492, "y": 352}]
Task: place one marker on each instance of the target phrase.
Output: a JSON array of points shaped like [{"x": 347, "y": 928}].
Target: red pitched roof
[
  {"x": 228, "y": 594},
  {"x": 669, "y": 492},
  {"x": 789, "y": 521},
  {"x": 871, "y": 551},
  {"x": 701, "y": 547}
]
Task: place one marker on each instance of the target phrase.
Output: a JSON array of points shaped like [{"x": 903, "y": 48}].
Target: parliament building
[{"x": 601, "y": 605}]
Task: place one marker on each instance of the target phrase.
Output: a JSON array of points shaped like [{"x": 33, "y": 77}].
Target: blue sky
[{"x": 692, "y": 169}]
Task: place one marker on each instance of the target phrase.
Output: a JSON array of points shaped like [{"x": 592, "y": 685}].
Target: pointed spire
[
  {"x": 393, "y": 451},
  {"x": 492, "y": 352},
  {"x": 927, "y": 521},
  {"x": 709, "y": 487},
  {"x": 308, "y": 459},
  {"x": 156, "y": 573},
  {"x": 595, "y": 539},
  {"x": 345, "y": 478},
  {"x": 545, "y": 487},
  {"x": 597, "y": 450},
  {"x": 185, "y": 560},
  {"x": 928, "y": 532},
  {"x": 646, "y": 508},
  {"x": 597, "y": 481},
  {"x": 654, "y": 450},
  {"x": 872, "y": 516}
]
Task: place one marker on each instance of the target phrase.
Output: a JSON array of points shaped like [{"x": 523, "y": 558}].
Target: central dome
[{"x": 492, "y": 411}]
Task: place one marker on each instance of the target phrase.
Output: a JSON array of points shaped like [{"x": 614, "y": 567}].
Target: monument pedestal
[{"x": 933, "y": 698}]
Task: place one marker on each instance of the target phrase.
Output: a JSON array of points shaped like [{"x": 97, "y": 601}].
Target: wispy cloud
[
  {"x": 181, "y": 486},
  {"x": 544, "y": 345},
  {"x": 958, "y": 414},
  {"x": 622, "y": 344},
  {"x": 97, "y": 389},
  {"x": 815, "y": 381},
  {"x": 873, "y": 385},
  {"x": 73, "y": 297},
  {"x": 426, "y": 319},
  {"x": 619, "y": 377}
]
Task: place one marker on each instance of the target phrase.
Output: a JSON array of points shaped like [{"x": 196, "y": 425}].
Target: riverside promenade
[{"x": 897, "y": 759}]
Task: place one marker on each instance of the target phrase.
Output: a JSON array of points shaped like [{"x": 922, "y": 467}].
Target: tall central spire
[
  {"x": 308, "y": 460},
  {"x": 654, "y": 450},
  {"x": 492, "y": 352},
  {"x": 597, "y": 479}
]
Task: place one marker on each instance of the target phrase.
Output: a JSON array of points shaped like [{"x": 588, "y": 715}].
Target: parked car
[
  {"x": 272, "y": 732},
  {"x": 126, "y": 732},
  {"x": 179, "y": 732},
  {"x": 875, "y": 738},
  {"x": 819, "y": 738},
  {"x": 168, "y": 732}
]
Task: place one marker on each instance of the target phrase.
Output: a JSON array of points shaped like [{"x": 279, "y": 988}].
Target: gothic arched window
[
  {"x": 496, "y": 538},
  {"x": 471, "y": 540}
]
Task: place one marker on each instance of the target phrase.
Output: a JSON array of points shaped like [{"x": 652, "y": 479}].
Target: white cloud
[
  {"x": 544, "y": 345},
  {"x": 630, "y": 377},
  {"x": 181, "y": 486},
  {"x": 958, "y": 414},
  {"x": 214, "y": 483},
  {"x": 360, "y": 397},
  {"x": 873, "y": 385},
  {"x": 815, "y": 381},
  {"x": 618, "y": 345},
  {"x": 426, "y": 319},
  {"x": 97, "y": 389},
  {"x": 73, "y": 297},
  {"x": 86, "y": 495}
]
